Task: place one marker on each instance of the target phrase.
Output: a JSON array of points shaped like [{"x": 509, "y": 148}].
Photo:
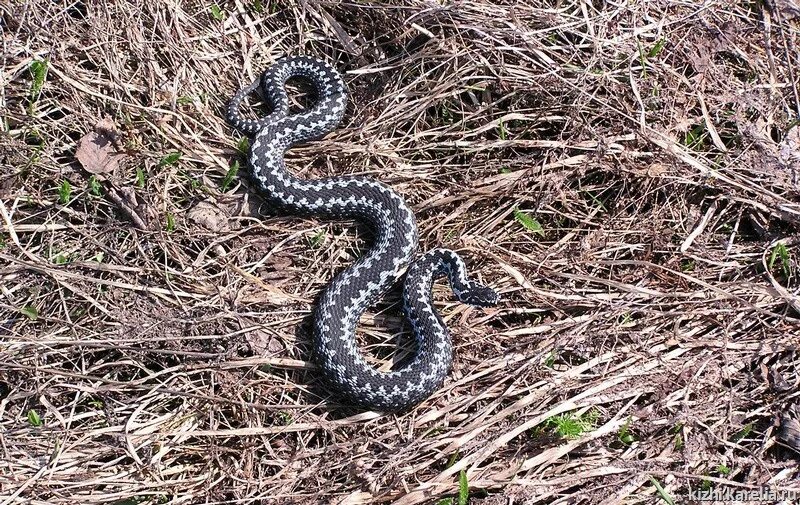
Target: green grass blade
[
  {"x": 662, "y": 492},
  {"x": 528, "y": 222},
  {"x": 463, "y": 488},
  {"x": 38, "y": 71}
]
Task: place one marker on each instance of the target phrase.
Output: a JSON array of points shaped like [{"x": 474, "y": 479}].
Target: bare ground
[{"x": 625, "y": 174}]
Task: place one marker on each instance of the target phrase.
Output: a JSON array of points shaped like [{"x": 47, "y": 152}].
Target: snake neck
[{"x": 438, "y": 263}]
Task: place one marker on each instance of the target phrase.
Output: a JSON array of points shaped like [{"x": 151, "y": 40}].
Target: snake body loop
[{"x": 359, "y": 286}]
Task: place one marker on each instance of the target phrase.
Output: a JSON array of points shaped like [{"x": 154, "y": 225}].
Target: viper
[{"x": 393, "y": 250}]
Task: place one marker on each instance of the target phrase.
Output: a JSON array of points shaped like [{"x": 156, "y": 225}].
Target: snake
[{"x": 392, "y": 253}]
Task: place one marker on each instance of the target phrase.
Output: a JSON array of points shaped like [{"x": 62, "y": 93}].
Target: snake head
[{"x": 478, "y": 295}]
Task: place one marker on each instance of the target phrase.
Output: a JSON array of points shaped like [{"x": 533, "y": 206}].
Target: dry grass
[{"x": 154, "y": 335}]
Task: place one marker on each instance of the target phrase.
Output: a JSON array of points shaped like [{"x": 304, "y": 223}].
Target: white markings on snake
[{"x": 363, "y": 283}]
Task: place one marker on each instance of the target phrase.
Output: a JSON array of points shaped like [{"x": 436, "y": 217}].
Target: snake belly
[{"x": 358, "y": 287}]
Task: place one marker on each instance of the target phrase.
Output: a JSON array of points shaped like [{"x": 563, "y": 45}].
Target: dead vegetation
[{"x": 626, "y": 174}]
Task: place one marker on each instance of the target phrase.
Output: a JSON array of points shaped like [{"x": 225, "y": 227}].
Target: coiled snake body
[{"x": 351, "y": 292}]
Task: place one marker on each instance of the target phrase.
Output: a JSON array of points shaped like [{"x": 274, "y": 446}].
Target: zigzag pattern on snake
[{"x": 352, "y": 291}]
